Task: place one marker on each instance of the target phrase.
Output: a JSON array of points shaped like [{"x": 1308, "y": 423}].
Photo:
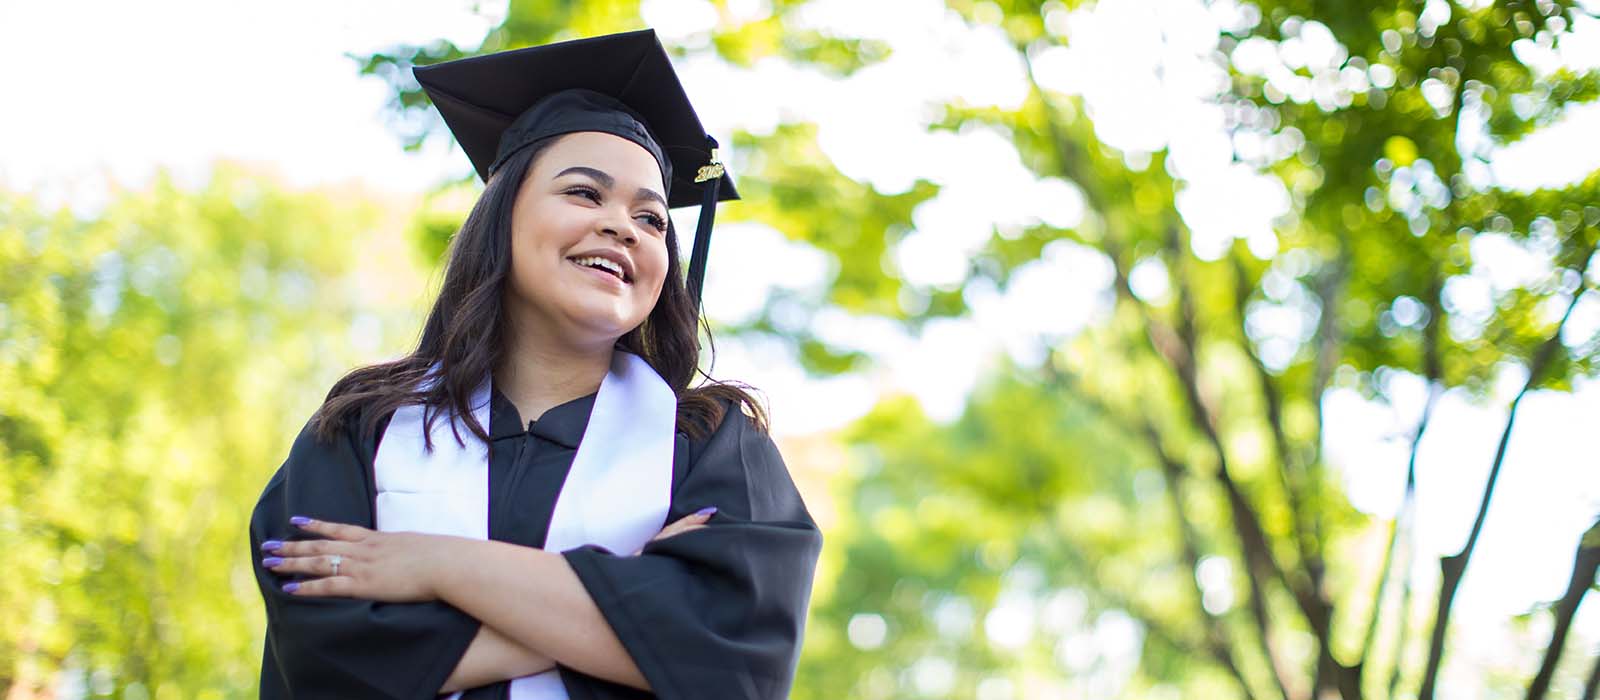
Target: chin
[{"x": 612, "y": 325}]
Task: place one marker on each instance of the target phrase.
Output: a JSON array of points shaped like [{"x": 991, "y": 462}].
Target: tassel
[{"x": 711, "y": 178}]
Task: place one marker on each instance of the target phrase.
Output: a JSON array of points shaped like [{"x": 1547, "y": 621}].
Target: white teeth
[{"x": 597, "y": 261}]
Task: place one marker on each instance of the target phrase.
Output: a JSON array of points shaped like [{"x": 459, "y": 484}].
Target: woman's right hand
[{"x": 692, "y": 521}]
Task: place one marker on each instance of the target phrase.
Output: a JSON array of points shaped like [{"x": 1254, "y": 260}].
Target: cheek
[
  {"x": 522, "y": 259},
  {"x": 530, "y": 264},
  {"x": 654, "y": 269}
]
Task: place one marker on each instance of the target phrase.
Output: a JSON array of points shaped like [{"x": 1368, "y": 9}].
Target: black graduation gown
[{"x": 712, "y": 612}]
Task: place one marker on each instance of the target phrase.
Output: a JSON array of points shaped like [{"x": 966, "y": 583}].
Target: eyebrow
[{"x": 607, "y": 181}]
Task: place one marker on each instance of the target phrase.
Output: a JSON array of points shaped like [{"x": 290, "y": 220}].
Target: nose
[{"x": 620, "y": 228}]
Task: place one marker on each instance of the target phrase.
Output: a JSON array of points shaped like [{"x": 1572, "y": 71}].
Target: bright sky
[{"x": 180, "y": 83}]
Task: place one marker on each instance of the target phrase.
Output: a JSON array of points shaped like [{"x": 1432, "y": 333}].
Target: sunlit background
[{"x": 1002, "y": 272}]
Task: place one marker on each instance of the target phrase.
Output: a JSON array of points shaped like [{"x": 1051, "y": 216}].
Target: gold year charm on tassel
[{"x": 711, "y": 171}]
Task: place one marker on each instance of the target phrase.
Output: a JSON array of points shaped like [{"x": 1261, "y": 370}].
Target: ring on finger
[{"x": 335, "y": 560}]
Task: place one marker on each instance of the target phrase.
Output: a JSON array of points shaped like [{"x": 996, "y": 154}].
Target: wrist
[{"x": 454, "y": 564}]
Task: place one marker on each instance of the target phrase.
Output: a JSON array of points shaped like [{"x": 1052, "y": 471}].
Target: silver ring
[{"x": 335, "y": 560}]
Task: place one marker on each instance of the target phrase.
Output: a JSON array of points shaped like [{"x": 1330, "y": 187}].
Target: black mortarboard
[{"x": 620, "y": 84}]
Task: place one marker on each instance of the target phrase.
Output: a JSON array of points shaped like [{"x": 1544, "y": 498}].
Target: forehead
[{"x": 629, "y": 163}]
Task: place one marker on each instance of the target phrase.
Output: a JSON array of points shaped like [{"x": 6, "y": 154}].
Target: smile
[{"x": 601, "y": 266}]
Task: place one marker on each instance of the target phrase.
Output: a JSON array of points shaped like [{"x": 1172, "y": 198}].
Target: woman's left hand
[{"x": 390, "y": 567}]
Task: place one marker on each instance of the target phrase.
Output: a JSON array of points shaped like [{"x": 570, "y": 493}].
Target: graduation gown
[{"x": 717, "y": 611}]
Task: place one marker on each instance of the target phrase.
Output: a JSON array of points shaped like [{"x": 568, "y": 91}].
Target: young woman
[{"x": 486, "y": 514}]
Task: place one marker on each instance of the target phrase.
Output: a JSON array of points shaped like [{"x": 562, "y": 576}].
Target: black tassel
[{"x": 710, "y": 190}]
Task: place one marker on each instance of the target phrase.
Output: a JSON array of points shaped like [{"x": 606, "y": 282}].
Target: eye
[
  {"x": 653, "y": 221},
  {"x": 585, "y": 192}
]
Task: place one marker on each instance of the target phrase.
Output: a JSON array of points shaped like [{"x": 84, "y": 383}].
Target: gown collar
[{"x": 563, "y": 424}]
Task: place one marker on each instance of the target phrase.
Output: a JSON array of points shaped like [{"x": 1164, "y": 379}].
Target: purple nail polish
[
  {"x": 300, "y": 520},
  {"x": 708, "y": 510},
  {"x": 291, "y": 587},
  {"x": 271, "y": 546},
  {"x": 270, "y": 562}
]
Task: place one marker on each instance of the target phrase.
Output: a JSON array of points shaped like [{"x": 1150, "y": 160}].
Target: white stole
[{"x": 616, "y": 495}]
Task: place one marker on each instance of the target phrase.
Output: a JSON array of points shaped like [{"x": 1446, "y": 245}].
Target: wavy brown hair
[{"x": 465, "y": 334}]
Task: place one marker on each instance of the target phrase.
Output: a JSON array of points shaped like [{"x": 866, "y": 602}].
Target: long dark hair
[{"x": 465, "y": 334}]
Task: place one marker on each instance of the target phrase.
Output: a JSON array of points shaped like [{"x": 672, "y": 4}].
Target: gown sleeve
[
  {"x": 718, "y": 611},
  {"x": 343, "y": 647}
]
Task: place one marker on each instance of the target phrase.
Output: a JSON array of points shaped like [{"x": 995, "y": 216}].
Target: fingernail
[
  {"x": 271, "y": 546},
  {"x": 270, "y": 562},
  {"x": 300, "y": 520},
  {"x": 291, "y": 587},
  {"x": 708, "y": 510}
]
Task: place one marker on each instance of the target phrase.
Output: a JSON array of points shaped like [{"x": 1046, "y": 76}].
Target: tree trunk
[
  {"x": 1454, "y": 567},
  {"x": 1590, "y": 688},
  {"x": 1583, "y": 575}
]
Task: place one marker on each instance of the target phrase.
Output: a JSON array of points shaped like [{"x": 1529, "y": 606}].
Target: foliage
[
  {"x": 1387, "y": 204},
  {"x": 156, "y": 358}
]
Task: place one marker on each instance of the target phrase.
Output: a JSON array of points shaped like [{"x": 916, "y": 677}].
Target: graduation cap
[{"x": 620, "y": 84}]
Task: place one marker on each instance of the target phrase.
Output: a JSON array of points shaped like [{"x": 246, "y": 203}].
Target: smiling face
[{"x": 588, "y": 240}]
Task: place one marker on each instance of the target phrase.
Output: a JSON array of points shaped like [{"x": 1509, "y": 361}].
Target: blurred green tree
[
  {"x": 1385, "y": 208},
  {"x": 1384, "y": 162},
  {"x": 157, "y": 357}
]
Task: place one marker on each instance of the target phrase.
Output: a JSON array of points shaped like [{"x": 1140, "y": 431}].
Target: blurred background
[{"x": 1131, "y": 348}]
